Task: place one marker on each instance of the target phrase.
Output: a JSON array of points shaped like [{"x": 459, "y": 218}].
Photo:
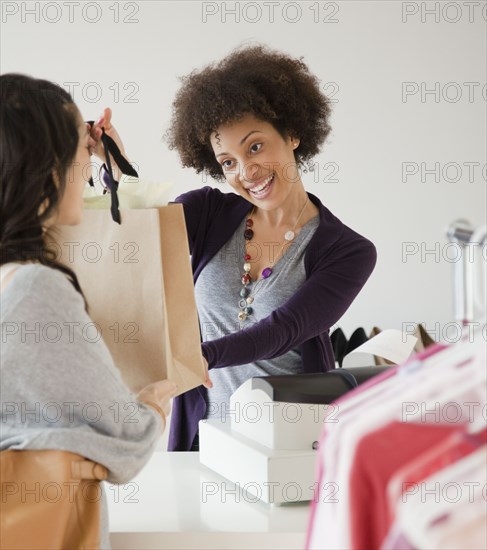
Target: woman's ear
[
  {"x": 46, "y": 202},
  {"x": 43, "y": 207},
  {"x": 294, "y": 142}
]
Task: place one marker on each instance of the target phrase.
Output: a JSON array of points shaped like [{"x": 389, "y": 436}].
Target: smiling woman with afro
[{"x": 273, "y": 268}]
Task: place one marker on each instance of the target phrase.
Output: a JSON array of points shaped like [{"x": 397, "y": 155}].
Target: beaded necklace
[{"x": 246, "y": 299}]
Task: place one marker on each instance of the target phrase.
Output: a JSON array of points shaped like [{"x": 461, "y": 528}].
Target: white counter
[{"x": 176, "y": 503}]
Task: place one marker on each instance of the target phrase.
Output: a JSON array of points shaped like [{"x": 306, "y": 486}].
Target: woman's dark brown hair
[
  {"x": 38, "y": 142},
  {"x": 270, "y": 85}
]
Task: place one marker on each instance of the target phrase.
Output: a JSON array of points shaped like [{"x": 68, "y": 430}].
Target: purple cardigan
[{"x": 338, "y": 261}]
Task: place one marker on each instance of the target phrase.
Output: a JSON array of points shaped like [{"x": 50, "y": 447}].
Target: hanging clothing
[{"x": 386, "y": 434}]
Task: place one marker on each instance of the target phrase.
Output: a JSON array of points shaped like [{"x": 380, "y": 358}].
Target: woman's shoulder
[
  {"x": 333, "y": 235},
  {"x": 40, "y": 283},
  {"x": 330, "y": 228},
  {"x": 45, "y": 276},
  {"x": 211, "y": 196}
]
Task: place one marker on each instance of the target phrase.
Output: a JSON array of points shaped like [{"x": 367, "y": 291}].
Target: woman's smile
[{"x": 262, "y": 189}]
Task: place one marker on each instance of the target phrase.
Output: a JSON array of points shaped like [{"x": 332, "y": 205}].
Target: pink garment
[
  {"x": 471, "y": 534},
  {"x": 319, "y": 467},
  {"x": 353, "y": 403},
  {"x": 395, "y": 540}
]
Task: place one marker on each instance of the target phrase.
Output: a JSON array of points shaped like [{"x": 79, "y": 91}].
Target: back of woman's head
[{"x": 38, "y": 142}]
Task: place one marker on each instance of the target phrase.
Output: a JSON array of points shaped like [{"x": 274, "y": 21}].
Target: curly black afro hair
[{"x": 267, "y": 84}]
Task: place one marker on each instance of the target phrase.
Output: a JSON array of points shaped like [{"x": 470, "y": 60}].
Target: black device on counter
[{"x": 320, "y": 388}]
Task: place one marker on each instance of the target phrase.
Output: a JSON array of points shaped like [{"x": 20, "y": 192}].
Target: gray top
[
  {"x": 59, "y": 386},
  {"x": 217, "y": 297}
]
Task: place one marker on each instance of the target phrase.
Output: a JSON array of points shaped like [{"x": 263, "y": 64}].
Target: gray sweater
[
  {"x": 223, "y": 272},
  {"x": 59, "y": 387}
]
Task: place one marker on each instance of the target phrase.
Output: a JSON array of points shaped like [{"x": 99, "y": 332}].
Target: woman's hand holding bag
[{"x": 105, "y": 122}]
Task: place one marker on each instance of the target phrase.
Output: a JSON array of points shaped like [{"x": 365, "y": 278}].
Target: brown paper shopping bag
[{"x": 138, "y": 283}]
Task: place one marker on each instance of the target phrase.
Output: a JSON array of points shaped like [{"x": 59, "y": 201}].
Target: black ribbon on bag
[{"x": 110, "y": 147}]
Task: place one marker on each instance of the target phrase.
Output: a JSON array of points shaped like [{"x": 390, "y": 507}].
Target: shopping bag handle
[{"x": 110, "y": 147}]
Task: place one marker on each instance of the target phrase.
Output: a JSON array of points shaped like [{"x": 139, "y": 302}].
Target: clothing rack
[
  {"x": 392, "y": 452},
  {"x": 465, "y": 294}
]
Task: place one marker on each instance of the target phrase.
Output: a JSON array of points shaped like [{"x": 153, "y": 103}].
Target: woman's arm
[
  {"x": 315, "y": 307},
  {"x": 63, "y": 372}
]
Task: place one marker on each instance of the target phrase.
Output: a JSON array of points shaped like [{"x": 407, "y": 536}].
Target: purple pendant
[
  {"x": 248, "y": 234},
  {"x": 267, "y": 272}
]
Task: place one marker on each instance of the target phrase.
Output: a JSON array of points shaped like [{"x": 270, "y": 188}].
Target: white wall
[{"x": 364, "y": 58}]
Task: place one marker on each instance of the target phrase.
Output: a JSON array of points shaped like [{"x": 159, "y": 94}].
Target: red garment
[
  {"x": 313, "y": 522},
  {"x": 317, "y": 534},
  {"x": 378, "y": 456}
]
